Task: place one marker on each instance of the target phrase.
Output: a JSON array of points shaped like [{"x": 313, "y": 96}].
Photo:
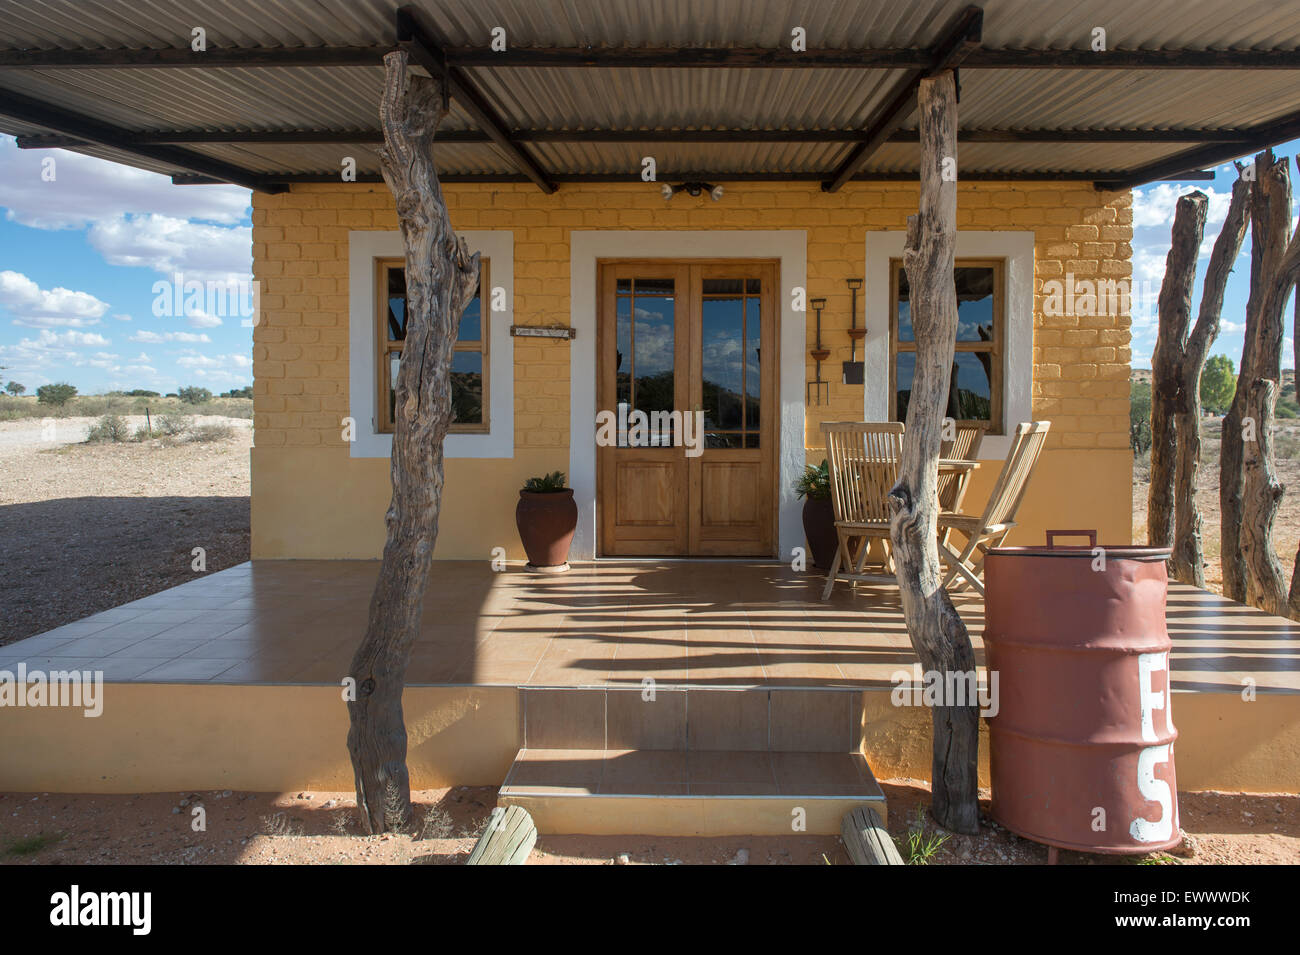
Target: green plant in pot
[
  {"x": 546, "y": 516},
  {"x": 814, "y": 486}
]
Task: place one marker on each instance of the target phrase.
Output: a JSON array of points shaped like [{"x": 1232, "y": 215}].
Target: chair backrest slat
[
  {"x": 965, "y": 446},
  {"x": 1026, "y": 446},
  {"x": 863, "y": 462}
]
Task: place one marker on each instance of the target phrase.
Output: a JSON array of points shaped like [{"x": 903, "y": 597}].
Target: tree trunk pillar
[{"x": 937, "y": 632}]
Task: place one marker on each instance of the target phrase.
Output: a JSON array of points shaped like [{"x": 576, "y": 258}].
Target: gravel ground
[
  {"x": 86, "y": 527},
  {"x": 322, "y": 828}
]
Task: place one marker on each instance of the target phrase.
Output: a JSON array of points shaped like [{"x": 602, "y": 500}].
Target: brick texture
[{"x": 300, "y": 249}]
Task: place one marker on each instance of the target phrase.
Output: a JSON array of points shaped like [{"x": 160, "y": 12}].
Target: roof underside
[{"x": 791, "y": 121}]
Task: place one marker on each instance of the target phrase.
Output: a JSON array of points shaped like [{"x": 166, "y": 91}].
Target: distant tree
[
  {"x": 15, "y": 389},
  {"x": 245, "y": 392},
  {"x": 57, "y": 395},
  {"x": 1139, "y": 417},
  {"x": 141, "y": 393},
  {"x": 1218, "y": 383},
  {"x": 194, "y": 395}
]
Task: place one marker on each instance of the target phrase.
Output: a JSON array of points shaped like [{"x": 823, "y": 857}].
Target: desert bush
[
  {"x": 1139, "y": 420},
  {"x": 172, "y": 424},
  {"x": 194, "y": 395},
  {"x": 109, "y": 427},
  {"x": 205, "y": 433},
  {"x": 56, "y": 395},
  {"x": 94, "y": 406}
]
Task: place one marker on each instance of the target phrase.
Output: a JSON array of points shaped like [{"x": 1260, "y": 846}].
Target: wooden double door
[{"x": 686, "y": 373}]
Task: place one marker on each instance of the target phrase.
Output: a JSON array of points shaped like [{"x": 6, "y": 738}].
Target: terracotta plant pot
[
  {"x": 546, "y": 522},
  {"x": 819, "y": 529}
]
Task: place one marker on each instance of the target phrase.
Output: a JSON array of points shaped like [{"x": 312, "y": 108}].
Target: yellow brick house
[{"x": 319, "y": 251}]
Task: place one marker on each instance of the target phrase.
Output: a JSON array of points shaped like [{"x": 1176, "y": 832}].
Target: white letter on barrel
[
  {"x": 1156, "y": 790},
  {"x": 1151, "y": 699},
  {"x": 1151, "y": 788}
]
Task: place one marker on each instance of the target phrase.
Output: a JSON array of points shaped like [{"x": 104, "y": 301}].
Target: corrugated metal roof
[{"x": 661, "y": 99}]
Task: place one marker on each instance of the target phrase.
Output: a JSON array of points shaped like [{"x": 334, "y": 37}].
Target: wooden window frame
[
  {"x": 996, "y": 349},
  {"x": 384, "y": 348}
]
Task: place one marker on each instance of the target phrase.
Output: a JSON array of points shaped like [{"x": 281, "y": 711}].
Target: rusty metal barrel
[{"x": 1081, "y": 747}]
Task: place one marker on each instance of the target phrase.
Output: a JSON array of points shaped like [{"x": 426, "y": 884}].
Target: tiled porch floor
[{"x": 604, "y": 623}]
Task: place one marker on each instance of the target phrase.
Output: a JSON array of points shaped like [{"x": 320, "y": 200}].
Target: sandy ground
[
  {"x": 86, "y": 527},
  {"x": 322, "y": 828},
  {"x": 1286, "y": 528}
]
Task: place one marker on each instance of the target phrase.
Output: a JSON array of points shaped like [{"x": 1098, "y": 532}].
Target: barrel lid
[
  {"x": 1118, "y": 552},
  {"x": 1115, "y": 552}
]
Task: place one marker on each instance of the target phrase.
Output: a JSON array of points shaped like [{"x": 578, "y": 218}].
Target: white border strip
[
  {"x": 1017, "y": 248},
  {"x": 790, "y": 247},
  {"x": 363, "y": 248}
]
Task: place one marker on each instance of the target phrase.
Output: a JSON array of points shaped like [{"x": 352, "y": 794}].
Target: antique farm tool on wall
[
  {"x": 854, "y": 370},
  {"x": 818, "y": 389}
]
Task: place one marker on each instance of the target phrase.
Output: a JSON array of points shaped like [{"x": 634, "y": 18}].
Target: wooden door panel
[
  {"x": 646, "y": 494},
  {"x": 729, "y": 497}
]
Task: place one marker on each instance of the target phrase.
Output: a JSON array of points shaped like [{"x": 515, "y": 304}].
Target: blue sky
[
  {"x": 80, "y": 256},
  {"x": 83, "y": 245}
]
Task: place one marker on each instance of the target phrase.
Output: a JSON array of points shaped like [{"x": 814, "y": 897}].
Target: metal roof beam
[
  {"x": 957, "y": 41},
  {"x": 714, "y": 177},
  {"x": 89, "y": 130},
  {"x": 425, "y": 51},
  {"x": 243, "y": 58},
  {"x": 472, "y": 136},
  {"x": 1258, "y": 137},
  {"x": 659, "y": 58}
]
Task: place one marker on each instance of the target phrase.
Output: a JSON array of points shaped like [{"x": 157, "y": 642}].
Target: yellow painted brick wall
[{"x": 300, "y": 248}]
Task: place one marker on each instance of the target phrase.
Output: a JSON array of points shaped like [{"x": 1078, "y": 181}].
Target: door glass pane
[
  {"x": 730, "y": 338},
  {"x": 467, "y": 387},
  {"x": 753, "y": 375},
  {"x": 644, "y": 375},
  {"x": 722, "y": 361}
]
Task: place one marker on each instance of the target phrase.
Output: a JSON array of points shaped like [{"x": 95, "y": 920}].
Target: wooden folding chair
[
  {"x": 863, "y": 461},
  {"x": 992, "y": 527},
  {"x": 964, "y": 447}
]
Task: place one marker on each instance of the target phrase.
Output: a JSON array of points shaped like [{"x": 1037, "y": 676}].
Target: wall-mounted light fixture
[{"x": 692, "y": 189}]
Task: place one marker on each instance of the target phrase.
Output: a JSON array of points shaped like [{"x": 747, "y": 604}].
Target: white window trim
[
  {"x": 1017, "y": 248},
  {"x": 364, "y": 247},
  {"x": 790, "y": 247}
]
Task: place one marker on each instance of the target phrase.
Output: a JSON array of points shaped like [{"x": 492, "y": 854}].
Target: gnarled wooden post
[
  {"x": 1261, "y": 490},
  {"x": 1188, "y": 561},
  {"x": 1270, "y": 218},
  {"x": 1175, "y": 313},
  {"x": 441, "y": 277},
  {"x": 937, "y": 632}
]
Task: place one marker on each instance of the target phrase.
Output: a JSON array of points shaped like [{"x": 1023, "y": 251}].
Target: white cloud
[
  {"x": 168, "y": 245},
  {"x": 122, "y": 318},
  {"x": 1155, "y": 205},
  {"x": 36, "y": 307},
  {"x": 30, "y": 358},
  {"x": 201, "y": 319},
  {"x": 86, "y": 190},
  {"x": 157, "y": 338}
]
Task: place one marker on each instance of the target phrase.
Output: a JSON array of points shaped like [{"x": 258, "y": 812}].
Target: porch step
[{"x": 689, "y": 792}]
